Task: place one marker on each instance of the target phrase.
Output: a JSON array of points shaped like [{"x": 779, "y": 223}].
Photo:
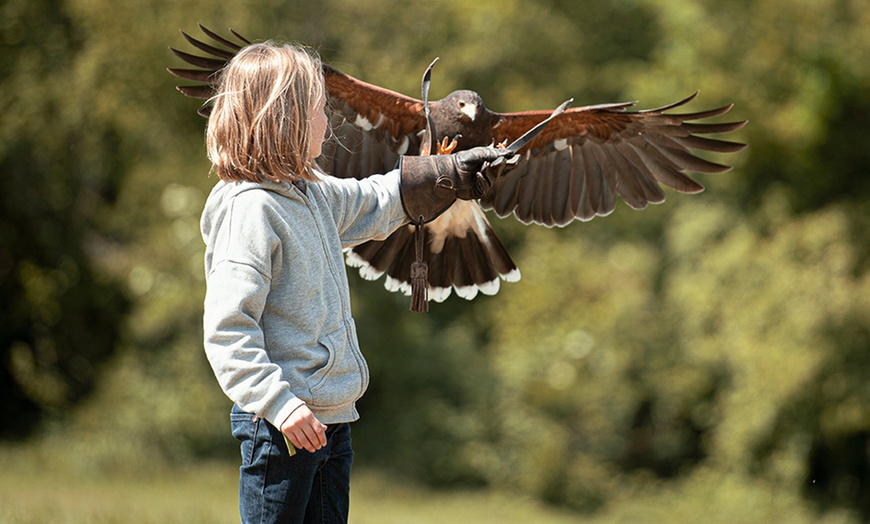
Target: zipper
[
  {"x": 314, "y": 210},
  {"x": 347, "y": 319}
]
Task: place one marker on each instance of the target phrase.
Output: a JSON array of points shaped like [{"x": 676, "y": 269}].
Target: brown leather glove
[{"x": 430, "y": 184}]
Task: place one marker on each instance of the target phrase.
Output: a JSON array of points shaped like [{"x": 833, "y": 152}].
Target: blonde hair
[{"x": 260, "y": 123}]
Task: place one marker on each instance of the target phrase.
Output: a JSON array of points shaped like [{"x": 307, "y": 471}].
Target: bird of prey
[{"x": 571, "y": 171}]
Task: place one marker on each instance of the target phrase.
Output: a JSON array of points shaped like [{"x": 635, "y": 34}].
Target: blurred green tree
[{"x": 62, "y": 317}]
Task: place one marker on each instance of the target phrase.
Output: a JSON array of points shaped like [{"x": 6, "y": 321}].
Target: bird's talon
[{"x": 445, "y": 147}]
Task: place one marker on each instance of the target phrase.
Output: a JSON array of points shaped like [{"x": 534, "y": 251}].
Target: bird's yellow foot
[{"x": 445, "y": 147}]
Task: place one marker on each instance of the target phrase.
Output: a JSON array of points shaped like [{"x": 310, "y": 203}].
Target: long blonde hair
[{"x": 260, "y": 123}]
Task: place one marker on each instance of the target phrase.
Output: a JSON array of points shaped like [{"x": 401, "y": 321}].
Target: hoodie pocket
[{"x": 345, "y": 376}]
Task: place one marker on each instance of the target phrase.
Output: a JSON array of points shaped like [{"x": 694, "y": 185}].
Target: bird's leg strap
[{"x": 419, "y": 272}]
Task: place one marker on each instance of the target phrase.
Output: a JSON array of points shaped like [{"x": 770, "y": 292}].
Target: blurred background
[{"x": 703, "y": 360}]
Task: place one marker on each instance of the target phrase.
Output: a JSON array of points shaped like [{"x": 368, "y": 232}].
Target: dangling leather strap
[{"x": 419, "y": 273}]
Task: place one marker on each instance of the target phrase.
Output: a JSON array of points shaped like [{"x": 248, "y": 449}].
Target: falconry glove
[{"x": 430, "y": 184}]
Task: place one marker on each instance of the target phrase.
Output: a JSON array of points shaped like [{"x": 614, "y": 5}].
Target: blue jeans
[{"x": 304, "y": 488}]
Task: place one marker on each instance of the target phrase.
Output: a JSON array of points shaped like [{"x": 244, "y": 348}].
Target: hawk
[{"x": 572, "y": 170}]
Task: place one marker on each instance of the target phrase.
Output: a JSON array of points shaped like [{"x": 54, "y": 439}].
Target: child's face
[{"x": 318, "y": 128}]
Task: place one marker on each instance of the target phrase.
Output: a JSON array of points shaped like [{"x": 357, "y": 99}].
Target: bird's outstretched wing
[
  {"x": 371, "y": 126},
  {"x": 587, "y": 155}
]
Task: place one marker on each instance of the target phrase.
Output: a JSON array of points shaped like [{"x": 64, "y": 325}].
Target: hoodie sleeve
[
  {"x": 237, "y": 284},
  {"x": 365, "y": 209}
]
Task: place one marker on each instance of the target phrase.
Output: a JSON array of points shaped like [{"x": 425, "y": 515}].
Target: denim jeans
[{"x": 304, "y": 488}]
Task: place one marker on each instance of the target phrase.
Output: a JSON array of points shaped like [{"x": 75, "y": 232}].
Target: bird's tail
[{"x": 462, "y": 252}]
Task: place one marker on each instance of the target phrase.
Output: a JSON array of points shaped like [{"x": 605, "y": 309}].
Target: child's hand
[{"x": 303, "y": 430}]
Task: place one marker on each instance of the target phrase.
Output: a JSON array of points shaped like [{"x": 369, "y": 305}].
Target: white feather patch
[
  {"x": 365, "y": 269},
  {"x": 466, "y": 292},
  {"x": 512, "y": 276},
  {"x": 363, "y": 122},
  {"x": 487, "y": 288},
  {"x": 394, "y": 285},
  {"x": 370, "y": 273},
  {"x": 490, "y": 288},
  {"x": 439, "y": 294},
  {"x": 560, "y": 144},
  {"x": 404, "y": 147},
  {"x": 353, "y": 260},
  {"x": 458, "y": 220}
]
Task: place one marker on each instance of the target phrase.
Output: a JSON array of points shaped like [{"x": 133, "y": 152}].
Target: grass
[
  {"x": 38, "y": 488},
  {"x": 207, "y": 494}
]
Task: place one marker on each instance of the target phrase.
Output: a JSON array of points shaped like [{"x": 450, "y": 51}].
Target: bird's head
[
  {"x": 465, "y": 105},
  {"x": 462, "y": 115}
]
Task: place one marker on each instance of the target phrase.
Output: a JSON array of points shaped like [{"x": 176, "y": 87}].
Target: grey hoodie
[{"x": 278, "y": 330}]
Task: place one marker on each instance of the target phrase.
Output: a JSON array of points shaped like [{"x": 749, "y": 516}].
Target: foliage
[
  {"x": 698, "y": 360},
  {"x": 61, "y": 316},
  {"x": 718, "y": 353}
]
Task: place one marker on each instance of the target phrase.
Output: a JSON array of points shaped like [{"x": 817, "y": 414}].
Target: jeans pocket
[{"x": 245, "y": 427}]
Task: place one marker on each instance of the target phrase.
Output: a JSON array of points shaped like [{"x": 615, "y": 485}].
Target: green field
[{"x": 208, "y": 495}]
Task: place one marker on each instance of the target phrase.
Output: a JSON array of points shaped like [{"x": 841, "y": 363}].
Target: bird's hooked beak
[{"x": 469, "y": 109}]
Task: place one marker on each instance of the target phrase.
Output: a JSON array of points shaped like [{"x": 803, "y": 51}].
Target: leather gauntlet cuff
[{"x": 426, "y": 186}]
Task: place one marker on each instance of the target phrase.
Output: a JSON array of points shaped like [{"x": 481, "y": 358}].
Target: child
[{"x": 278, "y": 331}]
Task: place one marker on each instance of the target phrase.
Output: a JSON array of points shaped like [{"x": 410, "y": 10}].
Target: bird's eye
[{"x": 461, "y": 104}]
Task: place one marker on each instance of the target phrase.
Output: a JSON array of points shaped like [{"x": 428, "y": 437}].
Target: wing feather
[
  {"x": 664, "y": 170},
  {"x": 602, "y": 189},
  {"x": 562, "y": 182},
  {"x": 639, "y": 181},
  {"x": 223, "y": 41},
  {"x": 212, "y": 50},
  {"x": 612, "y": 151},
  {"x": 196, "y": 75},
  {"x": 709, "y": 144}
]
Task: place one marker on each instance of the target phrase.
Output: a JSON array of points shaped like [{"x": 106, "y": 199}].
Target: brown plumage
[{"x": 572, "y": 170}]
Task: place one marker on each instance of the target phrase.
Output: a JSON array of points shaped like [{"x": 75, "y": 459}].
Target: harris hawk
[{"x": 571, "y": 171}]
